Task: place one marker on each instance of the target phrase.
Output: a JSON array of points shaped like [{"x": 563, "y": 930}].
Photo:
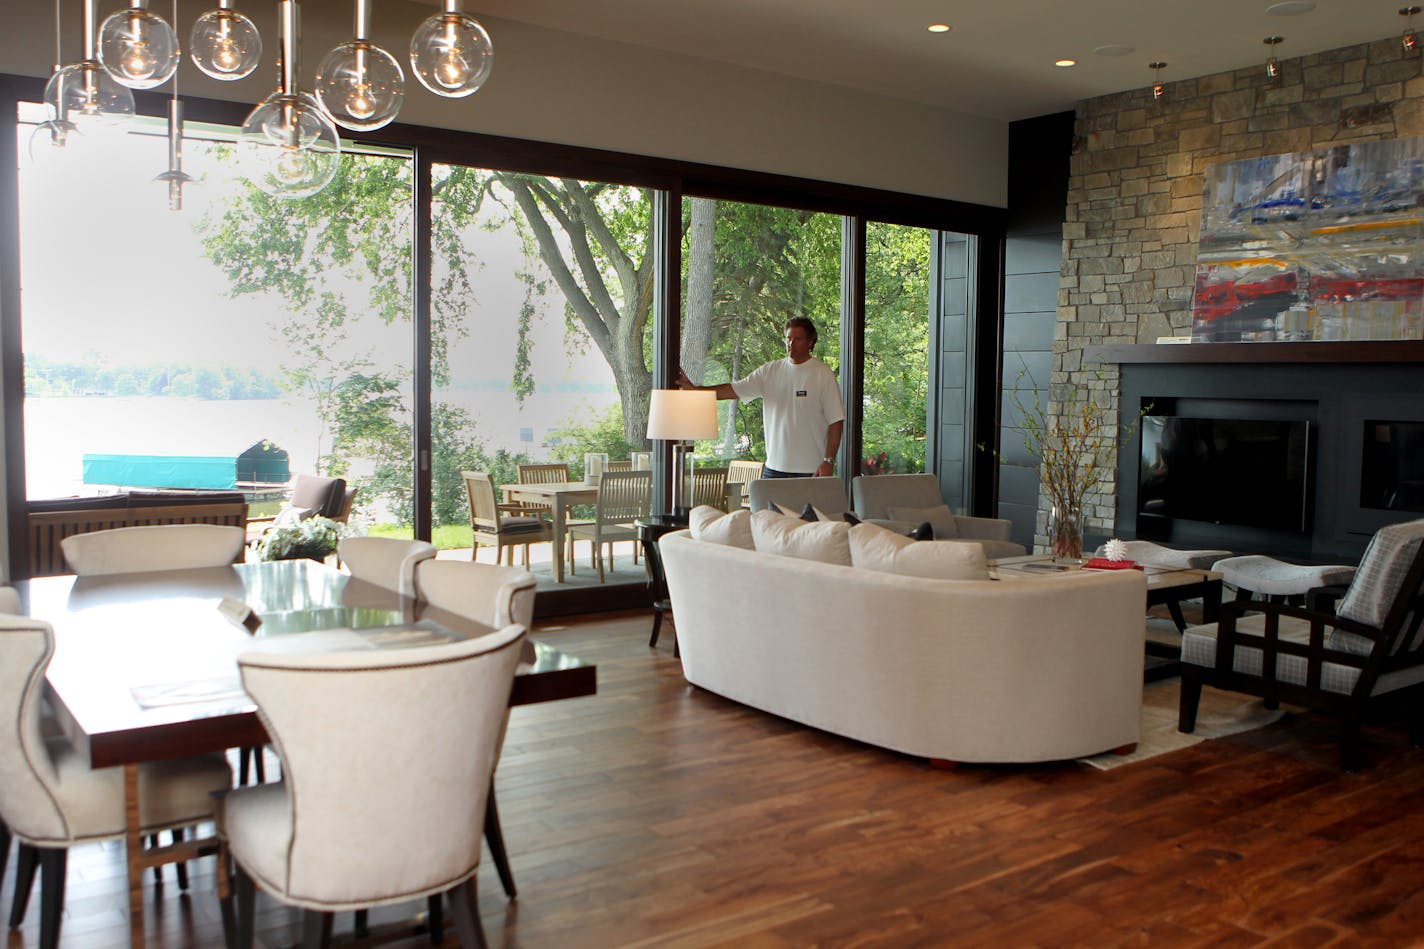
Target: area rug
[{"x": 1219, "y": 714}]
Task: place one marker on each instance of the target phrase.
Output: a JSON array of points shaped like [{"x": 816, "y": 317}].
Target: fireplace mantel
[{"x": 1377, "y": 351}]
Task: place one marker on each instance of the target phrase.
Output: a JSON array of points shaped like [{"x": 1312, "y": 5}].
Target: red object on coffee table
[{"x": 1102, "y": 563}]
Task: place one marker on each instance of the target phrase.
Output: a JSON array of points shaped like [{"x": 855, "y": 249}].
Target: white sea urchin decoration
[{"x": 1115, "y": 550}]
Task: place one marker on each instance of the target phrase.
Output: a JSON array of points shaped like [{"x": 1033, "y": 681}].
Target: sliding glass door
[
  {"x": 541, "y": 310},
  {"x": 162, "y": 345}
]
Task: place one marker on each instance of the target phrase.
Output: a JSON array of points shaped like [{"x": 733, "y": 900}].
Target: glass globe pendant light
[
  {"x": 84, "y": 93},
  {"x": 360, "y": 85},
  {"x": 289, "y": 143},
  {"x": 225, "y": 44},
  {"x": 53, "y": 134},
  {"x": 451, "y": 53},
  {"x": 138, "y": 47},
  {"x": 174, "y": 176}
]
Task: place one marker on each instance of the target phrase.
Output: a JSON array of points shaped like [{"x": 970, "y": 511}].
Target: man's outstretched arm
[{"x": 724, "y": 390}]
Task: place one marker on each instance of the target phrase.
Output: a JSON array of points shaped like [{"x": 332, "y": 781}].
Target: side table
[{"x": 650, "y": 531}]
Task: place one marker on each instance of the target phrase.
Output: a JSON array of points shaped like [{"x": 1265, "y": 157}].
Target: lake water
[{"x": 60, "y": 431}]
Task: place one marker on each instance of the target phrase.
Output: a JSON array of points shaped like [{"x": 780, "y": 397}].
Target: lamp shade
[{"x": 681, "y": 414}]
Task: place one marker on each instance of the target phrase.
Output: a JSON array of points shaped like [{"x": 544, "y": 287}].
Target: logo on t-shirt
[{"x": 800, "y": 393}]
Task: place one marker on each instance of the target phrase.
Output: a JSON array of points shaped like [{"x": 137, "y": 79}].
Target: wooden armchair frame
[{"x": 1396, "y": 646}]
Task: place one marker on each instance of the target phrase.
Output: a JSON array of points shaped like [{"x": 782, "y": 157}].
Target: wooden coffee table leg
[{"x": 133, "y": 855}]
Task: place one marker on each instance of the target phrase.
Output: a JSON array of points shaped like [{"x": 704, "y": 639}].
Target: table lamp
[{"x": 679, "y": 416}]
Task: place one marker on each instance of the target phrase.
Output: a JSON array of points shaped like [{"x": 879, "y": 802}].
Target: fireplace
[{"x": 1301, "y": 459}]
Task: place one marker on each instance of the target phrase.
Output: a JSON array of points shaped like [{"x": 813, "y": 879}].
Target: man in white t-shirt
[{"x": 801, "y": 408}]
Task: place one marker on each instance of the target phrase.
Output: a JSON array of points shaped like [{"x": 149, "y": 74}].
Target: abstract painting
[{"x": 1319, "y": 245}]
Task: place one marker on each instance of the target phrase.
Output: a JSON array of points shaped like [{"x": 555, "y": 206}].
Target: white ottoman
[{"x": 1270, "y": 577}]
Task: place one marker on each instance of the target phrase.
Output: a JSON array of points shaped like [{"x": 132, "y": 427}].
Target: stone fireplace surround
[{"x": 1336, "y": 386}]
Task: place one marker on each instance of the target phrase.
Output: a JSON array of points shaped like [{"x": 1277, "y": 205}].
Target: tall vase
[{"x": 1065, "y": 532}]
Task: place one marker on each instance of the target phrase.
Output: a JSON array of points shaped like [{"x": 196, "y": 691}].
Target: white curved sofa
[{"x": 953, "y": 670}]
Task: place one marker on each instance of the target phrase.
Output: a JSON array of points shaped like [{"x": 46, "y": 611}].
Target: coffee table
[{"x": 1166, "y": 586}]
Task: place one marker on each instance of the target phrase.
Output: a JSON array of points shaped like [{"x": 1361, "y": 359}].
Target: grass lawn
[{"x": 446, "y": 536}]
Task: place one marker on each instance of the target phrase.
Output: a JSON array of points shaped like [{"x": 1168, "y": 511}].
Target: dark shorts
[{"x": 773, "y": 473}]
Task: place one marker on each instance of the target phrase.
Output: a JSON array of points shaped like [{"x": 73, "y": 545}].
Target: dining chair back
[
  {"x": 493, "y": 526},
  {"x": 428, "y": 720},
  {"x": 623, "y": 497},
  {"x": 620, "y": 465},
  {"x": 388, "y": 562},
  {"x": 551, "y": 473},
  {"x": 743, "y": 473},
  {"x": 160, "y": 547},
  {"x": 491, "y": 594},
  {"x": 50, "y": 799},
  {"x": 709, "y": 486}
]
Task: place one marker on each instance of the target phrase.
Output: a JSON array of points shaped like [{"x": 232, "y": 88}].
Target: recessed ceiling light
[
  {"x": 939, "y": 27},
  {"x": 1065, "y": 63},
  {"x": 1291, "y": 7},
  {"x": 1113, "y": 49}
]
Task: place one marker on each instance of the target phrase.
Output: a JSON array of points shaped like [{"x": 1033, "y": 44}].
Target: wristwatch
[{"x": 830, "y": 460}]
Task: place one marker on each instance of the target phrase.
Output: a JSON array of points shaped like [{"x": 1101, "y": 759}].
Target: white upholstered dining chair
[
  {"x": 388, "y": 562},
  {"x": 159, "y": 547},
  {"x": 495, "y": 596},
  {"x": 50, "y": 798},
  {"x": 327, "y": 838}
]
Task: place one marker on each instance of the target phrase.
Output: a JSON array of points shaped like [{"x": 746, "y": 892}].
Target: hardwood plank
[{"x": 657, "y": 814}]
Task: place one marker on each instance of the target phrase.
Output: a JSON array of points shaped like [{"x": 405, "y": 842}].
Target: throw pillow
[
  {"x": 924, "y": 532},
  {"x": 875, "y": 548},
  {"x": 717, "y": 527},
  {"x": 850, "y": 518},
  {"x": 939, "y": 517},
  {"x": 826, "y": 542},
  {"x": 290, "y": 515}
]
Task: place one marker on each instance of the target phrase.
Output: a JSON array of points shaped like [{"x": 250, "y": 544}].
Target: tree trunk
[{"x": 697, "y": 309}]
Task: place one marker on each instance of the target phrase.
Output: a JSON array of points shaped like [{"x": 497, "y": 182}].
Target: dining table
[
  {"x": 145, "y": 666},
  {"x": 558, "y": 496}
]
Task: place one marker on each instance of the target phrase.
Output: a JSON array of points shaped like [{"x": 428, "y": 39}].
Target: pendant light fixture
[
  {"x": 84, "y": 93},
  {"x": 1273, "y": 65},
  {"x": 174, "y": 177},
  {"x": 290, "y": 144},
  {"x": 55, "y": 131},
  {"x": 1409, "y": 42},
  {"x": 138, "y": 47},
  {"x": 1159, "y": 91},
  {"x": 360, "y": 85},
  {"x": 451, "y": 53},
  {"x": 225, "y": 44}
]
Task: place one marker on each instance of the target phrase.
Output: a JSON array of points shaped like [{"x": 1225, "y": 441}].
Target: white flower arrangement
[{"x": 315, "y": 538}]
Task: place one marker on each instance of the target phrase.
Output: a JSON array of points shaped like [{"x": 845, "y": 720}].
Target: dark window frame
[{"x": 671, "y": 179}]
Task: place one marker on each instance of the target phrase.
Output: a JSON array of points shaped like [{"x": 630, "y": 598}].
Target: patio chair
[
  {"x": 1345, "y": 663},
  {"x": 552, "y": 473},
  {"x": 493, "y": 527},
  {"x": 623, "y": 497},
  {"x": 709, "y": 487},
  {"x": 328, "y": 839},
  {"x": 743, "y": 473}
]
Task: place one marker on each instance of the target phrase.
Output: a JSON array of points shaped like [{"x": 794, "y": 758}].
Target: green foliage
[
  {"x": 896, "y": 380},
  {"x": 588, "y": 431},
  {"x": 315, "y": 537}
]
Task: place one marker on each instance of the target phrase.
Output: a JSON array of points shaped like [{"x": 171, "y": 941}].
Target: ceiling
[{"x": 997, "y": 60}]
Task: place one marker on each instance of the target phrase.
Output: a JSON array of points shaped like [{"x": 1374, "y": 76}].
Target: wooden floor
[{"x": 656, "y": 814}]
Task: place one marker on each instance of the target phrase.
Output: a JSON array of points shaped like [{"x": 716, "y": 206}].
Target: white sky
[{"x": 108, "y": 270}]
